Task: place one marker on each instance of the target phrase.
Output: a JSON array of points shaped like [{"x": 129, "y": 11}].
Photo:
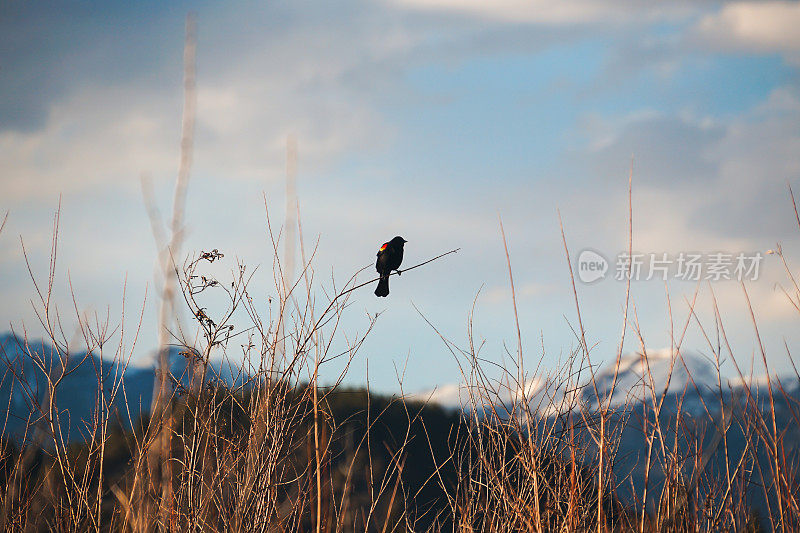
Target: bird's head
[{"x": 398, "y": 241}]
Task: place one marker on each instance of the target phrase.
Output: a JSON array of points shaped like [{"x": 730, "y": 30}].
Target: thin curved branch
[
  {"x": 351, "y": 289},
  {"x": 392, "y": 274}
]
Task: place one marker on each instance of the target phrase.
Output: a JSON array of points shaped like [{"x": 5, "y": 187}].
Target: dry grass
[{"x": 267, "y": 450}]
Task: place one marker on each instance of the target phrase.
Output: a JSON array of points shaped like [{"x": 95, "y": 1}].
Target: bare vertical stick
[
  {"x": 162, "y": 411},
  {"x": 291, "y": 210},
  {"x": 290, "y": 227}
]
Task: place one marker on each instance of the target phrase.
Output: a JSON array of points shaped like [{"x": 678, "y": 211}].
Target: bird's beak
[{"x": 405, "y": 240}]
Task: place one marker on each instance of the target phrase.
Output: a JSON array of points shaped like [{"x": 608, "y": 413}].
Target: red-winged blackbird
[{"x": 389, "y": 258}]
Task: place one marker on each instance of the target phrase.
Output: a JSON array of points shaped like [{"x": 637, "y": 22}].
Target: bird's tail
[{"x": 383, "y": 287}]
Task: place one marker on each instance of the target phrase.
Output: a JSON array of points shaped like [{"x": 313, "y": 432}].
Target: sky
[{"x": 430, "y": 119}]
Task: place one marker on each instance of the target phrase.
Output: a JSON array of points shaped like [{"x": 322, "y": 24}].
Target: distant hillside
[{"x": 23, "y": 385}]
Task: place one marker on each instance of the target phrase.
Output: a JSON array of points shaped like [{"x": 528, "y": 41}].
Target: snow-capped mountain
[
  {"x": 545, "y": 394},
  {"x": 681, "y": 376},
  {"x": 658, "y": 369},
  {"x": 687, "y": 380}
]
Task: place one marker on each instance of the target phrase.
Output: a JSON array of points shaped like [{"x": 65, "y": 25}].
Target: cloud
[
  {"x": 98, "y": 127},
  {"x": 563, "y": 12},
  {"x": 667, "y": 148},
  {"x": 699, "y": 180},
  {"x": 101, "y": 118},
  {"x": 753, "y": 27},
  {"x": 90, "y": 140},
  {"x": 49, "y": 50},
  {"x": 516, "y": 10},
  {"x": 757, "y": 157},
  {"x": 324, "y": 76}
]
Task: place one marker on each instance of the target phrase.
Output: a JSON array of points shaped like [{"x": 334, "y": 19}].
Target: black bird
[{"x": 389, "y": 258}]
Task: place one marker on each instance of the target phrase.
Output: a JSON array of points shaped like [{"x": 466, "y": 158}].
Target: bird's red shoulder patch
[{"x": 384, "y": 246}]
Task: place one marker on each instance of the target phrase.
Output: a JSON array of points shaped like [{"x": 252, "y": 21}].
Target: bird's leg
[{"x": 399, "y": 272}]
